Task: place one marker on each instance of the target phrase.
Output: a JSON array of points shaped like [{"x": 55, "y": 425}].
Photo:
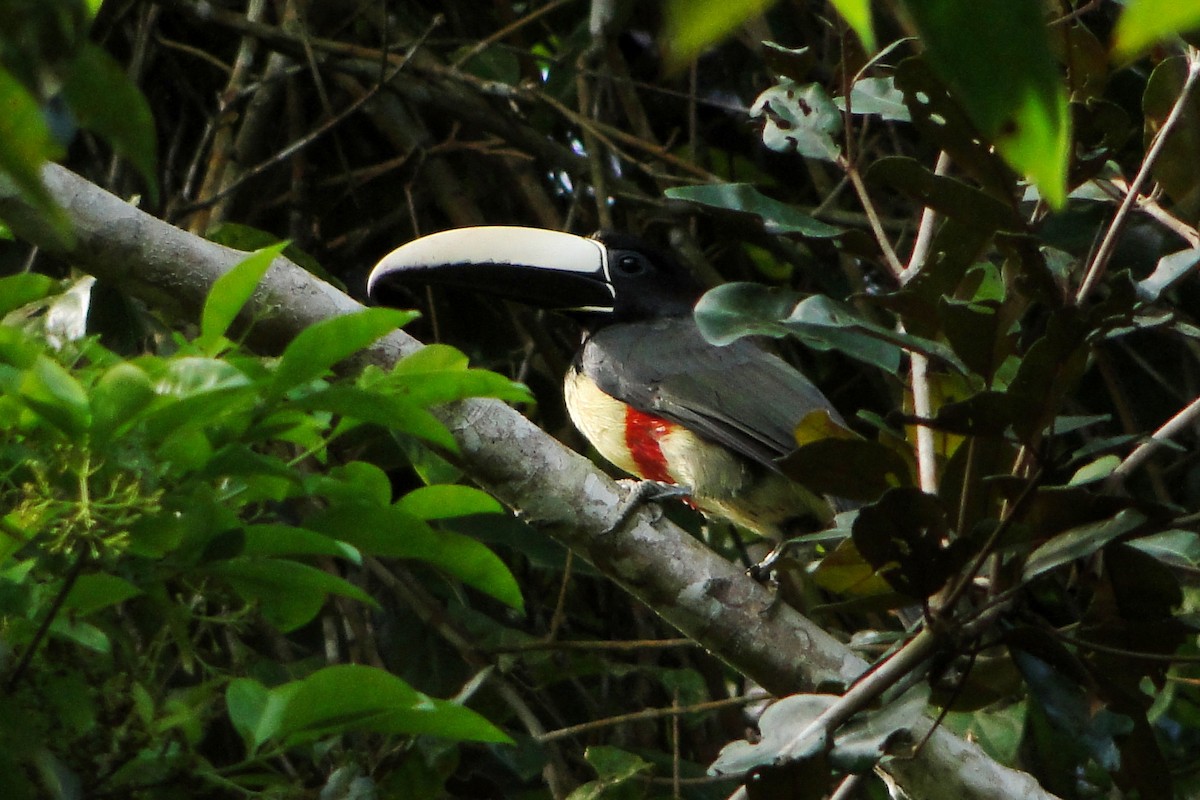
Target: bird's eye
[{"x": 631, "y": 265}]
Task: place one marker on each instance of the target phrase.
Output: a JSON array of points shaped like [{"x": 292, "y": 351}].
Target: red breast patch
[{"x": 643, "y": 432}]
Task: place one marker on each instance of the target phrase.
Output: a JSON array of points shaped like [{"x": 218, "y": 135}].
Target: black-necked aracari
[{"x": 646, "y": 389}]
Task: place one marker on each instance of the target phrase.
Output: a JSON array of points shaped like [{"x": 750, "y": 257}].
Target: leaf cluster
[{"x": 171, "y": 520}]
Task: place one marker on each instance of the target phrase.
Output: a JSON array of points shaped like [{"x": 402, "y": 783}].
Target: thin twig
[
  {"x": 1189, "y": 416},
  {"x": 593, "y": 644},
  {"x": 860, "y": 189},
  {"x": 651, "y": 713},
  {"x": 1151, "y": 208},
  {"x": 919, "y": 372},
  {"x": 503, "y": 33},
  {"x": 1108, "y": 246}
]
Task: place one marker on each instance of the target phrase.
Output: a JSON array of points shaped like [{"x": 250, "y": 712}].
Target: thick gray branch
[{"x": 696, "y": 591}]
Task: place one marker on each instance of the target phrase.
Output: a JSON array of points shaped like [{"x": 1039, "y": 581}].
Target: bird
[{"x": 646, "y": 389}]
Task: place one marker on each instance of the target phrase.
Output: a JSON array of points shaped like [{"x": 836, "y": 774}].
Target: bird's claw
[
  {"x": 764, "y": 570},
  {"x": 642, "y": 492}
]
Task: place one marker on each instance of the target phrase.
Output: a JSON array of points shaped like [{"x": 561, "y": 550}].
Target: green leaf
[
  {"x": 290, "y": 594},
  {"x": 1173, "y": 547},
  {"x": 942, "y": 122},
  {"x": 122, "y": 391},
  {"x": 353, "y": 697},
  {"x": 251, "y": 711},
  {"x": 692, "y": 26},
  {"x": 439, "y": 373},
  {"x": 997, "y": 730},
  {"x": 23, "y": 289},
  {"x": 27, "y": 145},
  {"x": 1018, "y": 103},
  {"x": 857, "y": 746},
  {"x": 1080, "y": 542},
  {"x": 1144, "y": 22},
  {"x": 800, "y": 119},
  {"x": 447, "y": 501},
  {"x": 615, "y": 766},
  {"x": 83, "y": 634},
  {"x": 288, "y": 540},
  {"x": 190, "y": 376},
  {"x": 354, "y": 482},
  {"x": 231, "y": 292},
  {"x": 318, "y": 347},
  {"x": 744, "y": 198},
  {"x": 106, "y": 102},
  {"x": 734, "y": 310},
  {"x": 55, "y": 395},
  {"x": 248, "y": 239},
  {"x": 857, "y": 14},
  {"x": 100, "y": 590},
  {"x": 391, "y": 411},
  {"x": 1096, "y": 470},
  {"x": 394, "y": 532}
]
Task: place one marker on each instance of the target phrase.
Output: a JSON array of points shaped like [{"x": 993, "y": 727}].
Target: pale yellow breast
[{"x": 599, "y": 417}]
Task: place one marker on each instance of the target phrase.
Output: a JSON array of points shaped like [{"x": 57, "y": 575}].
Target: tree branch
[{"x": 561, "y": 493}]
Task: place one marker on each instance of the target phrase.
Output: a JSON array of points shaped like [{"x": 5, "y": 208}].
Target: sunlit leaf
[
  {"x": 857, "y": 14},
  {"x": 20, "y": 290},
  {"x": 735, "y": 310},
  {"x": 122, "y": 391},
  {"x": 1096, "y": 470},
  {"x": 1015, "y": 95},
  {"x": 231, "y": 291},
  {"x": 780, "y": 727},
  {"x": 1144, "y": 22},
  {"x": 446, "y": 501},
  {"x": 27, "y": 145},
  {"x": 56, "y": 396},
  {"x": 692, "y": 26},
  {"x": 320, "y": 346},
  {"x": 869, "y": 736},
  {"x": 391, "y": 411}
]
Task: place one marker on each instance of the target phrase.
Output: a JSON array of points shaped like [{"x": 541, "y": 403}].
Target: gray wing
[{"x": 739, "y": 396}]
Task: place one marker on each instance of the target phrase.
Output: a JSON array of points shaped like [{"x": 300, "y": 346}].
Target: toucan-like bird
[{"x": 646, "y": 389}]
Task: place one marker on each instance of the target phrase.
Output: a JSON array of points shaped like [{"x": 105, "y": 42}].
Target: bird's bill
[{"x": 544, "y": 268}]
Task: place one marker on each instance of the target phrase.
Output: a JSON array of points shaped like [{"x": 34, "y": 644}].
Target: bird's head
[{"x": 606, "y": 278}]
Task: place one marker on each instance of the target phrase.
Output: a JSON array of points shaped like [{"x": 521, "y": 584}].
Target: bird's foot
[
  {"x": 764, "y": 570},
  {"x": 643, "y": 492}
]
